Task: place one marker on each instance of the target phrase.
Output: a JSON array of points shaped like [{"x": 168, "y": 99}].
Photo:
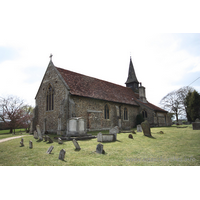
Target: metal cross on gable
[{"x": 51, "y": 57}]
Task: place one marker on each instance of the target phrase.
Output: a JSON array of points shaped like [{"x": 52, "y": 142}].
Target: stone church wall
[
  {"x": 48, "y": 120},
  {"x": 92, "y": 110}
]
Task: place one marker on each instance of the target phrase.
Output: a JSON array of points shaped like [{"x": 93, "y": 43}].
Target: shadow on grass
[
  {"x": 39, "y": 140},
  {"x": 112, "y": 141},
  {"x": 150, "y": 137}
]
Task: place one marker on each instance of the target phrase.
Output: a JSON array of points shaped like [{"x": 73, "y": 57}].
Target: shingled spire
[{"x": 132, "y": 81}]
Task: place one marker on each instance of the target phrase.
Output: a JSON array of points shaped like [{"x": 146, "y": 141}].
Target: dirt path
[{"x": 11, "y": 138}]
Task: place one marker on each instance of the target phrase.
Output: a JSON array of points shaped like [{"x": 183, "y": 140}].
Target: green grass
[
  {"x": 177, "y": 147},
  {"x": 6, "y": 133}
]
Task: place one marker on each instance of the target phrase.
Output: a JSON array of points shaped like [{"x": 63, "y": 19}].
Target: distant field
[
  {"x": 176, "y": 147},
  {"x": 6, "y": 133}
]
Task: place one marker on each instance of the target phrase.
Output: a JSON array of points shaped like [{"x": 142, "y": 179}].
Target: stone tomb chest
[{"x": 76, "y": 126}]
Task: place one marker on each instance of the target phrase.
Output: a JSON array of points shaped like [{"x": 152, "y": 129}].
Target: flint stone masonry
[
  {"x": 50, "y": 149},
  {"x": 196, "y": 124},
  {"x": 62, "y": 154},
  {"x": 99, "y": 149},
  {"x": 76, "y": 144},
  {"x": 105, "y": 137},
  {"x": 146, "y": 128},
  {"x": 139, "y": 128}
]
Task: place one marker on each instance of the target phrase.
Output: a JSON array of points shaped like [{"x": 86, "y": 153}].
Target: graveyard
[{"x": 166, "y": 146}]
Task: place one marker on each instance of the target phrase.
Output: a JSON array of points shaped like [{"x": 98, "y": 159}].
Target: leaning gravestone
[
  {"x": 76, "y": 145},
  {"x": 146, "y": 128},
  {"x": 22, "y": 142},
  {"x": 60, "y": 141},
  {"x": 35, "y": 135},
  {"x": 30, "y": 144},
  {"x": 139, "y": 128},
  {"x": 114, "y": 131},
  {"x": 62, "y": 154},
  {"x": 50, "y": 149},
  {"x": 39, "y": 132},
  {"x": 196, "y": 124},
  {"x": 99, "y": 149},
  {"x": 45, "y": 138}
]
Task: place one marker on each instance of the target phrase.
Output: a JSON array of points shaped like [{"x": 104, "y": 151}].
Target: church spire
[{"x": 132, "y": 81}]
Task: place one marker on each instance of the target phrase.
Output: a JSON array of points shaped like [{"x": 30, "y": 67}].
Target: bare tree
[
  {"x": 12, "y": 113},
  {"x": 171, "y": 102},
  {"x": 175, "y": 101}
]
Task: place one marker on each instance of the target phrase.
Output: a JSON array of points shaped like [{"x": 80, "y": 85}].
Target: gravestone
[
  {"x": 146, "y": 128},
  {"x": 35, "y": 135},
  {"x": 196, "y": 124},
  {"x": 49, "y": 139},
  {"x": 114, "y": 131},
  {"x": 130, "y": 136},
  {"x": 99, "y": 137},
  {"x": 30, "y": 144},
  {"x": 139, "y": 128},
  {"x": 39, "y": 132},
  {"x": 45, "y": 138},
  {"x": 22, "y": 142},
  {"x": 60, "y": 141},
  {"x": 76, "y": 145},
  {"x": 99, "y": 149},
  {"x": 50, "y": 149},
  {"x": 62, "y": 154}
]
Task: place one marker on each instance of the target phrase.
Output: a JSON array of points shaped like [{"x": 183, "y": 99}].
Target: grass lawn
[
  {"x": 176, "y": 147},
  {"x": 6, "y": 133}
]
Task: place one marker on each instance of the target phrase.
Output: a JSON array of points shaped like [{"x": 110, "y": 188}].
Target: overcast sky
[{"x": 96, "y": 38}]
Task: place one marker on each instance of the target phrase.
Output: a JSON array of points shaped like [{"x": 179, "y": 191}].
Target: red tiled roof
[{"x": 86, "y": 86}]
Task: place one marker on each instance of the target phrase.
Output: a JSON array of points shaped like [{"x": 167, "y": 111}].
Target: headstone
[
  {"x": 130, "y": 136},
  {"x": 30, "y": 144},
  {"x": 196, "y": 124},
  {"x": 139, "y": 128},
  {"x": 45, "y": 138},
  {"x": 35, "y": 135},
  {"x": 76, "y": 144},
  {"x": 50, "y": 149},
  {"x": 22, "y": 142},
  {"x": 99, "y": 137},
  {"x": 146, "y": 128},
  {"x": 49, "y": 139},
  {"x": 60, "y": 141},
  {"x": 114, "y": 131},
  {"x": 39, "y": 132},
  {"x": 99, "y": 149},
  {"x": 62, "y": 154}
]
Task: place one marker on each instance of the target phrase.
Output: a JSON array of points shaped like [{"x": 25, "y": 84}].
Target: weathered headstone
[
  {"x": 45, "y": 138},
  {"x": 114, "y": 131},
  {"x": 30, "y": 144},
  {"x": 76, "y": 144},
  {"x": 99, "y": 149},
  {"x": 62, "y": 154},
  {"x": 139, "y": 128},
  {"x": 35, "y": 135},
  {"x": 146, "y": 128},
  {"x": 50, "y": 140},
  {"x": 130, "y": 136},
  {"x": 196, "y": 124},
  {"x": 22, "y": 142},
  {"x": 60, "y": 141},
  {"x": 39, "y": 132},
  {"x": 50, "y": 149}
]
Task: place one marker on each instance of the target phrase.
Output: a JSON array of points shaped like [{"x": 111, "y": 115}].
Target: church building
[{"x": 64, "y": 94}]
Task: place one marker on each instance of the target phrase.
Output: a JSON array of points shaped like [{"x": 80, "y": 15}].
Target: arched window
[
  {"x": 50, "y": 98},
  {"x": 144, "y": 114},
  {"x": 125, "y": 114},
  {"x": 106, "y": 112}
]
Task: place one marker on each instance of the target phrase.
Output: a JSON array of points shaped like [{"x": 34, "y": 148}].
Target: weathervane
[{"x": 51, "y": 57}]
